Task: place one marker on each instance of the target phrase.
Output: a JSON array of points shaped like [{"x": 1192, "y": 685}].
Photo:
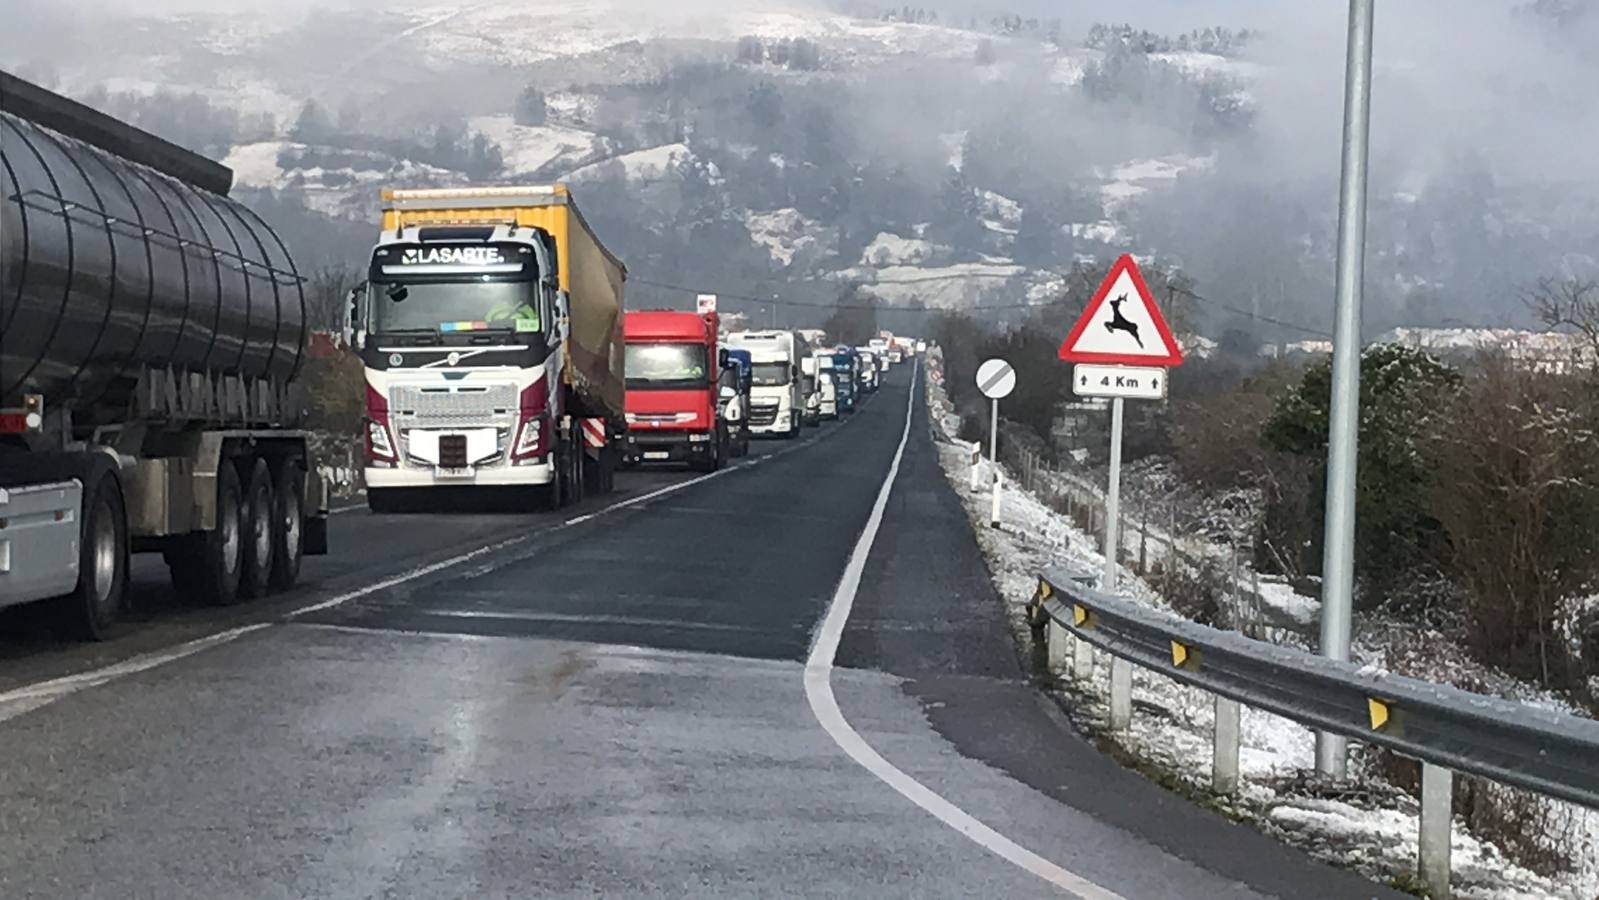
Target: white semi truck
[
  {"x": 152, "y": 331},
  {"x": 777, "y": 395},
  {"x": 491, "y": 333}
]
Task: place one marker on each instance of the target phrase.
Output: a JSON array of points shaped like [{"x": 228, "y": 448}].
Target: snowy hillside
[{"x": 951, "y": 164}]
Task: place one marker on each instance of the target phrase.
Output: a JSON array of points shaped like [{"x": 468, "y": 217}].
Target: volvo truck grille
[{"x": 453, "y": 406}]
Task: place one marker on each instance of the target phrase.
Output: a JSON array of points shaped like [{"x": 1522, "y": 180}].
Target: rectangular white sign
[
  {"x": 705, "y": 303},
  {"x": 1131, "y": 382}
]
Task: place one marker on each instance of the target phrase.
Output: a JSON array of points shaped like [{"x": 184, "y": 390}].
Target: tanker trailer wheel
[
  {"x": 210, "y": 564},
  {"x": 288, "y": 526},
  {"x": 259, "y": 521},
  {"x": 95, "y": 603}
]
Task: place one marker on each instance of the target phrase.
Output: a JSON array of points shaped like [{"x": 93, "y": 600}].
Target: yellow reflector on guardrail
[
  {"x": 1179, "y": 654},
  {"x": 1045, "y": 591},
  {"x": 1079, "y": 615},
  {"x": 1379, "y": 713}
]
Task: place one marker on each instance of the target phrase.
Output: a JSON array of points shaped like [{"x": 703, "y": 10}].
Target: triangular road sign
[{"x": 1122, "y": 325}]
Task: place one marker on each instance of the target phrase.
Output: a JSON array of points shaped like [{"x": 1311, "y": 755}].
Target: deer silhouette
[{"x": 1120, "y": 322}]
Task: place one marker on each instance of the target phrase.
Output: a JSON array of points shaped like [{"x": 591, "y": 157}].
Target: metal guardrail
[{"x": 1447, "y": 729}]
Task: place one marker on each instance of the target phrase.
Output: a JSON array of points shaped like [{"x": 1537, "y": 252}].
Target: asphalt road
[{"x": 621, "y": 700}]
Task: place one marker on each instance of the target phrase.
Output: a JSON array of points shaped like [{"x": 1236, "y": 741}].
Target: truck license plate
[
  {"x": 657, "y": 454},
  {"x": 454, "y": 473}
]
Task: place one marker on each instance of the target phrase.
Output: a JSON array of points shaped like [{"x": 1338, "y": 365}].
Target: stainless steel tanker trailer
[{"x": 151, "y": 331}]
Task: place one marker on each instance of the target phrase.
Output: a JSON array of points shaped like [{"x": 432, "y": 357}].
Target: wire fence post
[{"x": 1143, "y": 539}]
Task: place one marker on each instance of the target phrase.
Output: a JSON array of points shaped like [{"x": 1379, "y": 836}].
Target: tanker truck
[
  {"x": 151, "y": 332},
  {"x": 490, "y": 328}
]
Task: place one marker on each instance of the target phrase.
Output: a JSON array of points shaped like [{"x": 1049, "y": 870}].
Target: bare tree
[
  {"x": 327, "y": 292},
  {"x": 1571, "y": 305}
]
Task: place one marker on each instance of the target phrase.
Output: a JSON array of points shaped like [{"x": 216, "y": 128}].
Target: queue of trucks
[{"x": 156, "y": 331}]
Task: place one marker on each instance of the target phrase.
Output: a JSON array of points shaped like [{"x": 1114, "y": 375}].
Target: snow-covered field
[
  {"x": 651, "y": 164},
  {"x": 527, "y": 149},
  {"x": 788, "y": 236},
  {"x": 1371, "y": 828}
]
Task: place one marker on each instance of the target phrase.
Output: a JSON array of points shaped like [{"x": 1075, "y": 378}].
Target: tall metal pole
[{"x": 1338, "y": 559}]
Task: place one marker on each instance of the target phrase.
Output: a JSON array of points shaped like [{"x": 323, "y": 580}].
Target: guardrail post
[
  {"x": 1224, "y": 755},
  {"x": 1121, "y": 694},
  {"x": 1055, "y": 640},
  {"x": 1082, "y": 660},
  {"x": 1437, "y": 813},
  {"x": 977, "y": 456}
]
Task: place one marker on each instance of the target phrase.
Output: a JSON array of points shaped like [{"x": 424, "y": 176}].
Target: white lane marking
[
  {"x": 33, "y": 696},
  {"x": 25, "y": 699},
  {"x": 819, "y": 691}
]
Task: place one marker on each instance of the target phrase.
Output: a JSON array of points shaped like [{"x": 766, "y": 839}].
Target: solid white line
[
  {"x": 819, "y": 691},
  {"x": 34, "y": 696},
  {"x": 44, "y": 693}
]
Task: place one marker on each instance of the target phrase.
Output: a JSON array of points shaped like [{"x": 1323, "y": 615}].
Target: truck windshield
[
  {"x": 662, "y": 366},
  {"x": 774, "y": 374},
  {"x": 454, "y": 306}
]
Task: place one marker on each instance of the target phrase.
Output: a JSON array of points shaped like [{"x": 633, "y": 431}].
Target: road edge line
[{"x": 824, "y": 706}]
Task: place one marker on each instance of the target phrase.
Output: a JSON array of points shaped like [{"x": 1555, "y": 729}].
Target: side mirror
[
  {"x": 354, "y": 331},
  {"x": 722, "y": 358}
]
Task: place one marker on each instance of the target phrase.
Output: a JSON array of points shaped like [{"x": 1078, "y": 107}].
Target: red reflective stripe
[
  {"x": 13, "y": 423},
  {"x": 594, "y": 432}
]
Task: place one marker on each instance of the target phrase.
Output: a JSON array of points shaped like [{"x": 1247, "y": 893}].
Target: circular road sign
[{"x": 996, "y": 379}]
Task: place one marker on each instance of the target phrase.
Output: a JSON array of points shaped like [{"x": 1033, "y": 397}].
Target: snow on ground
[
  {"x": 788, "y": 235},
  {"x": 1544, "y": 349},
  {"x": 999, "y": 207},
  {"x": 527, "y": 149},
  {"x": 1105, "y": 231},
  {"x": 955, "y": 143},
  {"x": 1195, "y": 64},
  {"x": 1131, "y": 180},
  {"x": 951, "y": 286},
  {"x": 349, "y": 191},
  {"x": 507, "y": 33},
  {"x": 652, "y": 164},
  {"x": 256, "y": 165},
  {"x": 1068, "y": 72},
  {"x": 1172, "y": 724},
  {"x": 889, "y": 249}
]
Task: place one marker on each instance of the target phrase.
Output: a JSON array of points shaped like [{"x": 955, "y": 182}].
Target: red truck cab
[{"x": 672, "y": 406}]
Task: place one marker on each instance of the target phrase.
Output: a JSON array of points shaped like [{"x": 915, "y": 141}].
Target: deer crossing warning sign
[{"x": 1122, "y": 325}]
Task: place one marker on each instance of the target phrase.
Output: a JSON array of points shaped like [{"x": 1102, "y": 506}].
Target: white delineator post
[
  {"x": 1224, "y": 753},
  {"x": 1121, "y": 671},
  {"x": 1437, "y": 814},
  {"x": 999, "y": 489}
]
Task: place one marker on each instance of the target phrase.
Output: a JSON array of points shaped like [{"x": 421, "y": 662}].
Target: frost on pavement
[{"x": 1364, "y": 824}]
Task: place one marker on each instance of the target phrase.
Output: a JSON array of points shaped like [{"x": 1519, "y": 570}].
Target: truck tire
[
  {"x": 90, "y": 611},
  {"x": 288, "y": 526},
  {"x": 210, "y": 564},
  {"x": 578, "y": 474},
  {"x": 551, "y": 497},
  {"x": 259, "y": 508}
]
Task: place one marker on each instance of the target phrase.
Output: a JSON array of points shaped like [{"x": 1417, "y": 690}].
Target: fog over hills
[{"x": 957, "y": 155}]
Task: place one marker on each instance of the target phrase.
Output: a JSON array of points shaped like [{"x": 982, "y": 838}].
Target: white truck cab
[
  {"x": 777, "y": 391},
  {"x": 828, "y": 406}
]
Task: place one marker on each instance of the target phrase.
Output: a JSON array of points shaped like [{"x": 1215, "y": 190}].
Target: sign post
[
  {"x": 996, "y": 379},
  {"x": 1122, "y": 349}
]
